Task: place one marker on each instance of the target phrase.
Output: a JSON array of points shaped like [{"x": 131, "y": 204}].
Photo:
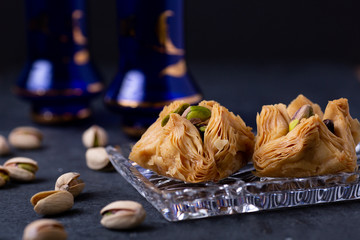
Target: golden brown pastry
[
  {"x": 317, "y": 143},
  {"x": 195, "y": 150}
]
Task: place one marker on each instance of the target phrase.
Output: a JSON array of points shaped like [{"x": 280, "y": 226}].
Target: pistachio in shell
[
  {"x": 21, "y": 168},
  {"x": 122, "y": 215},
  {"x": 52, "y": 202},
  {"x": 4, "y": 146},
  {"x": 43, "y": 229},
  {"x": 4, "y": 176},
  {"x": 98, "y": 159},
  {"x": 70, "y": 182},
  {"x": 26, "y": 138},
  {"x": 95, "y": 136}
]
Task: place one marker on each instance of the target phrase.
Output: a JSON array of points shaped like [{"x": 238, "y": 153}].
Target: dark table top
[{"x": 243, "y": 88}]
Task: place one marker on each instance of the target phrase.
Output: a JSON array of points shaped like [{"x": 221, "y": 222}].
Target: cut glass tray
[{"x": 242, "y": 192}]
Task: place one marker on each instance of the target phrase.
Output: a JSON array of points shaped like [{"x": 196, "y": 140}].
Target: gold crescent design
[
  {"x": 78, "y": 36},
  {"x": 175, "y": 70},
  {"x": 163, "y": 35}
]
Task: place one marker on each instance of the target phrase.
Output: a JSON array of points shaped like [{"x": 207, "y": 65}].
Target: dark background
[
  {"x": 275, "y": 50},
  {"x": 217, "y": 31},
  {"x": 243, "y": 54}
]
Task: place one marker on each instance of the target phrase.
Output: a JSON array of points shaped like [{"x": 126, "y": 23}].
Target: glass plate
[{"x": 242, "y": 192}]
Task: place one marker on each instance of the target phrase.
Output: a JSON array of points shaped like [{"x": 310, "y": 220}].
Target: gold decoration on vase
[
  {"x": 175, "y": 70},
  {"x": 81, "y": 57},
  {"x": 78, "y": 36},
  {"x": 165, "y": 41}
]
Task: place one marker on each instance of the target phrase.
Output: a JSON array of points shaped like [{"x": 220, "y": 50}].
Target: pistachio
[
  {"x": 305, "y": 111},
  {"x": 98, "y": 159},
  {"x": 44, "y": 229},
  {"x": 95, "y": 136},
  {"x": 202, "y": 128},
  {"x": 179, "y": 111},
  {"x": 21, "y": 168},
  {"x": 26, "y": 138},
  {"x": 70, "y": 182},
  {"x": 122, "y": 215},
  {"x": 182, "y": 108},
  {"x": 52, "y": 202},
  {"x": 330, "y": 125},
  {"x": 4, "y": 176},
  {"x": 198, "y": 114},
  {"x": 4, "y": 146}
]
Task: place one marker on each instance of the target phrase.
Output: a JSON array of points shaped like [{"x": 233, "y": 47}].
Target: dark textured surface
[{"x": 241, "y": 88}]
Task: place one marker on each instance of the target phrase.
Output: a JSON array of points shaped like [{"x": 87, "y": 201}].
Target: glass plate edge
[{"x": 238, "y": 196}]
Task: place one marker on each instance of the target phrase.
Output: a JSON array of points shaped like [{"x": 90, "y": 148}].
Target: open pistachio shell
[
  {"x": 43, "y": 229},
  {"x": 26, "y": 138},
  {"x": 122, "y": 215},
  {"x": 52, "y": 202},
  {"x": 95, "y": 136},
  {"x": 70, "y": 182},
  {"x": 21, "y": 168}
]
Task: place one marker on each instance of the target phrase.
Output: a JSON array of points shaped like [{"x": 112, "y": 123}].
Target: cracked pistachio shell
[
  {"x": 95, "y": 136},
  {"x": 4, "y": 146},
  {"x": 21, "y": 168},
  {"x": 70, "y": 182},
  {"x": 26, "y": 138},
  {"x": 44, "y": 229},
  {"x": 52, "y": 202},
  {"x": 98, "y": 159},
  {"x": 122, "y": 215},
  {"x": 4, "y": 176}
]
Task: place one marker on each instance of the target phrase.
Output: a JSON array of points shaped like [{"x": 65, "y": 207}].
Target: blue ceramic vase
[
  {"x": 58, "y": 78},
  {"x": 152, "y": 69}
]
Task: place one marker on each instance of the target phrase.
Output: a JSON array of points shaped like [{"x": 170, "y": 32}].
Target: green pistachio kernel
[
  {"x": 199, "y": 112},
  {"x": 27, "y": 166},
  {"x": 202, "y": 128},
  {"x": 179, "y": 111},
  {"x": 293, "y": 124},
  {"x": 182, "y": 108},
  {"x": 4, "y": 176},
  {"x": 165, "y": 120},
  {"x": 305, "y": 111}
]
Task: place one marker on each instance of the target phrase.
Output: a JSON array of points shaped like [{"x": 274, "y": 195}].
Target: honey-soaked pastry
[
  {"x": 195, "y": 143},
  {"x": 300, "y": 140}
]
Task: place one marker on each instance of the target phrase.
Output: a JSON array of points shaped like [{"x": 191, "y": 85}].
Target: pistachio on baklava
[
  {"x": 195, "y": 143},
  {"x": 300, "y": 140}
]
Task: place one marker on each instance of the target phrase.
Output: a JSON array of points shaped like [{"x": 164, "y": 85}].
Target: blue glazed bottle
[
  {"x": 58, "y": 78},
  {"x": 152, "y": 69}
]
